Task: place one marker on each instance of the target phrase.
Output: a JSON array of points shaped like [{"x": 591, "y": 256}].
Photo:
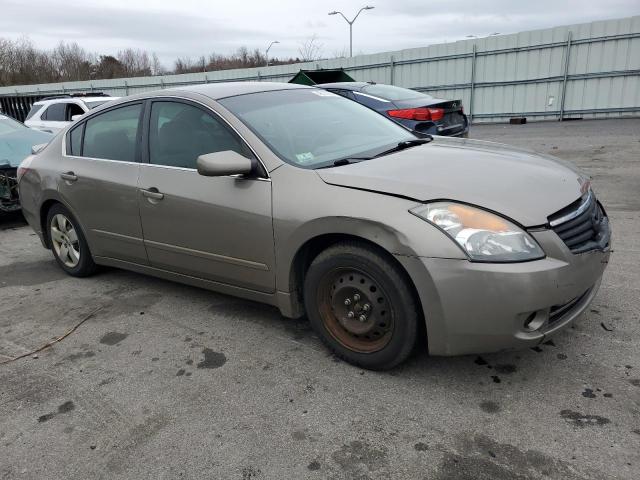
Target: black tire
[
  {"x": 388, "y": 335},
  {"x": 85, "y": 265}
]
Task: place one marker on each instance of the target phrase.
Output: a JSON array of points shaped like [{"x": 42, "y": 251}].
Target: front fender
[{"x": 381, "y": 219}]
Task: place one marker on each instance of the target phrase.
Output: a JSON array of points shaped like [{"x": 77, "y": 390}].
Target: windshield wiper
[
  {"x": 400, "y": 146},
  {"x": 345, "y": 161},
  {"x": 406, "y": 144}
]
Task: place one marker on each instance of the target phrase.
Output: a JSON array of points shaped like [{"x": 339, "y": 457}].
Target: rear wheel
[
  {"x": 68, "y": 243},
  {"x": 361, "y": 304}
]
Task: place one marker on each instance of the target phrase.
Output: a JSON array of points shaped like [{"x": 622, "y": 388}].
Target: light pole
[
  {"x": 351, "y": 22},
  {"x": 266, "y": 55}
]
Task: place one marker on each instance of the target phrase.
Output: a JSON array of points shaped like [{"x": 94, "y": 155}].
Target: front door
[
  {"x": 98, "y": 181},
  {"x": 215, "y": 228}
]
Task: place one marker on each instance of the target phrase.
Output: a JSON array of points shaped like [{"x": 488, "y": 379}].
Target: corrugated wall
[{"x": 588, "y": 70}]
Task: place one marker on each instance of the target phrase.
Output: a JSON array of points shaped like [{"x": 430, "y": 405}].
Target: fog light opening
[{"x": 534, "y": 321}]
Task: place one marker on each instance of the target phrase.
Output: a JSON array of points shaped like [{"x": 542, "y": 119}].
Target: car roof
[
  {"x": 217, "y": 91},
  {"x": 71, "y": 99},
  {"x": 345, "y": 85}
]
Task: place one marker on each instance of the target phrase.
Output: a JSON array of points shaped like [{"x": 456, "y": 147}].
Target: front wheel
[
  {"x": 68, "y": 243},
  {"x": 362, "y": 306}
]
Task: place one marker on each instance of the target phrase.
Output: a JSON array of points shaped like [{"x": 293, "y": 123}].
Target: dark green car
[{"x": 16, "y": 141}]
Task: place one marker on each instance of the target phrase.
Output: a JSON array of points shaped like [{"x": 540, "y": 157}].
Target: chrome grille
[{"x": 583, "y": 225}]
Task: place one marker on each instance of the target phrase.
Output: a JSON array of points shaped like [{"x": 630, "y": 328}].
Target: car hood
[
  {"x": 16, "y": 146},
  {"x": 522, "y": 185}
]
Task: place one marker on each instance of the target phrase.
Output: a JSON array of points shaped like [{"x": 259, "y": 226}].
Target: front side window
[
  {"x": 55, "y": 113},
  {"x": 113, "y": 134},
  {"x": 179, "y": 133},
  {"x": 312, "y": 128}
]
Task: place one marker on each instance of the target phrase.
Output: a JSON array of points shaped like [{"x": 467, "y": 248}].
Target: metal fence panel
[{"x": 589, "y": 70}]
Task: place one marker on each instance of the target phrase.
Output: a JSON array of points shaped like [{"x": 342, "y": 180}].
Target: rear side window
[
  {"x": 55, "y": 112},
  {"x": 73, "y": 109},
  {"x": 75, "y": 141},
  {"x": 179, "y": 133},
  {"x": 112, "y": 135},
  {"x": 34, "y": 109},
  {"x": 343, "y": 93}
]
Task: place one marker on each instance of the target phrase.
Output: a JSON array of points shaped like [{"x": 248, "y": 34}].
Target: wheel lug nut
[
  {"x": 366, "y": 307},
  {"x": 347, "y": 302},
  {"x": 356, "y": 297},
  {"x": 362, "y": 318},
  {"x": 351, "y": 314}
]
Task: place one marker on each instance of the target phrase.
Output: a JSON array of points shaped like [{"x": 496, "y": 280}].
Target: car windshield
[
  {"x": 95, "y": 103},
  {"x": 312, "y": 128},
  {"x": 389, "y": 92},
  {"x": 9, "y": 125}
]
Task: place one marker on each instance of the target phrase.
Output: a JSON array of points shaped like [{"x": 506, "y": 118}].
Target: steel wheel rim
[
  {"x": 64, "y": 239},
  {"x": 355, "y": 310}
]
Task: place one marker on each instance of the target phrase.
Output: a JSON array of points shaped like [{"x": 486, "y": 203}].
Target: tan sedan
[{"x": 296, "y": 197}]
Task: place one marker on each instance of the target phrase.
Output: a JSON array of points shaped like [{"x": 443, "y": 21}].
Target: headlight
[{"x": 484, "y": 236}]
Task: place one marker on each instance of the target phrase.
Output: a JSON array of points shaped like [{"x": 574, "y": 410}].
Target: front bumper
[
  {"x": 487, "y": 307},
  {"x": 9, "y": 201}
]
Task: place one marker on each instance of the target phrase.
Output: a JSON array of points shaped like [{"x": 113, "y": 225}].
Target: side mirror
[
  {"x": 75, "y": 117},
  {"x": 220, "y": 164}
]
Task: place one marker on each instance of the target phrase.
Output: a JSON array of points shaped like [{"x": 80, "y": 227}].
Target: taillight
[
  {"x": 436, "y": 113},
  {"x": 419, "y": 114}
]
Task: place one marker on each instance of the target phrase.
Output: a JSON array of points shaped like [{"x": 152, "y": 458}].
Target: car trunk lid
[{"x": 453, "y": 120}]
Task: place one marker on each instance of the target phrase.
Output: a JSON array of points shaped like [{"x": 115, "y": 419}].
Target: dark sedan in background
[
  {"x": 415, "y": 110},
  {"x": 16, "y": 141}
]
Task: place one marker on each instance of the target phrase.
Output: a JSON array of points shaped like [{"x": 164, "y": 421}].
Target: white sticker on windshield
[
  {"x": 323, "y": 93},
  {"x": 304, "y": 157}
]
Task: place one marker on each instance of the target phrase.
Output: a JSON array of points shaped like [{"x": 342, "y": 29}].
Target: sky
[{"x": 190, "y": 28}]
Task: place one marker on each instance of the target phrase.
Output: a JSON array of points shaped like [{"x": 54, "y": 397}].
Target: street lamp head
[
  {"x": 369, "y": 7},
  {"x": 276, "y": 41},
  {"x": 333, "y": 13}
]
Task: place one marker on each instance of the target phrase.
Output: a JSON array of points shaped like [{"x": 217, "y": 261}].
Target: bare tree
[
  {"x": 108, "y": 67},
  {"x": 21, "y": 63},
  {"x": 135, "y": 62},
  {"x": 310, "y": 49},
  {"x": 72, "y": 62},
  {"x": 156, "y": 65},
  {"x": 183, "y": 65}
]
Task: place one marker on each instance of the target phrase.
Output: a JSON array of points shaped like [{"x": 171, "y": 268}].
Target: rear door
[
  {"x": 98, "y": 179},
  {"x": 215, "y": 228}
]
